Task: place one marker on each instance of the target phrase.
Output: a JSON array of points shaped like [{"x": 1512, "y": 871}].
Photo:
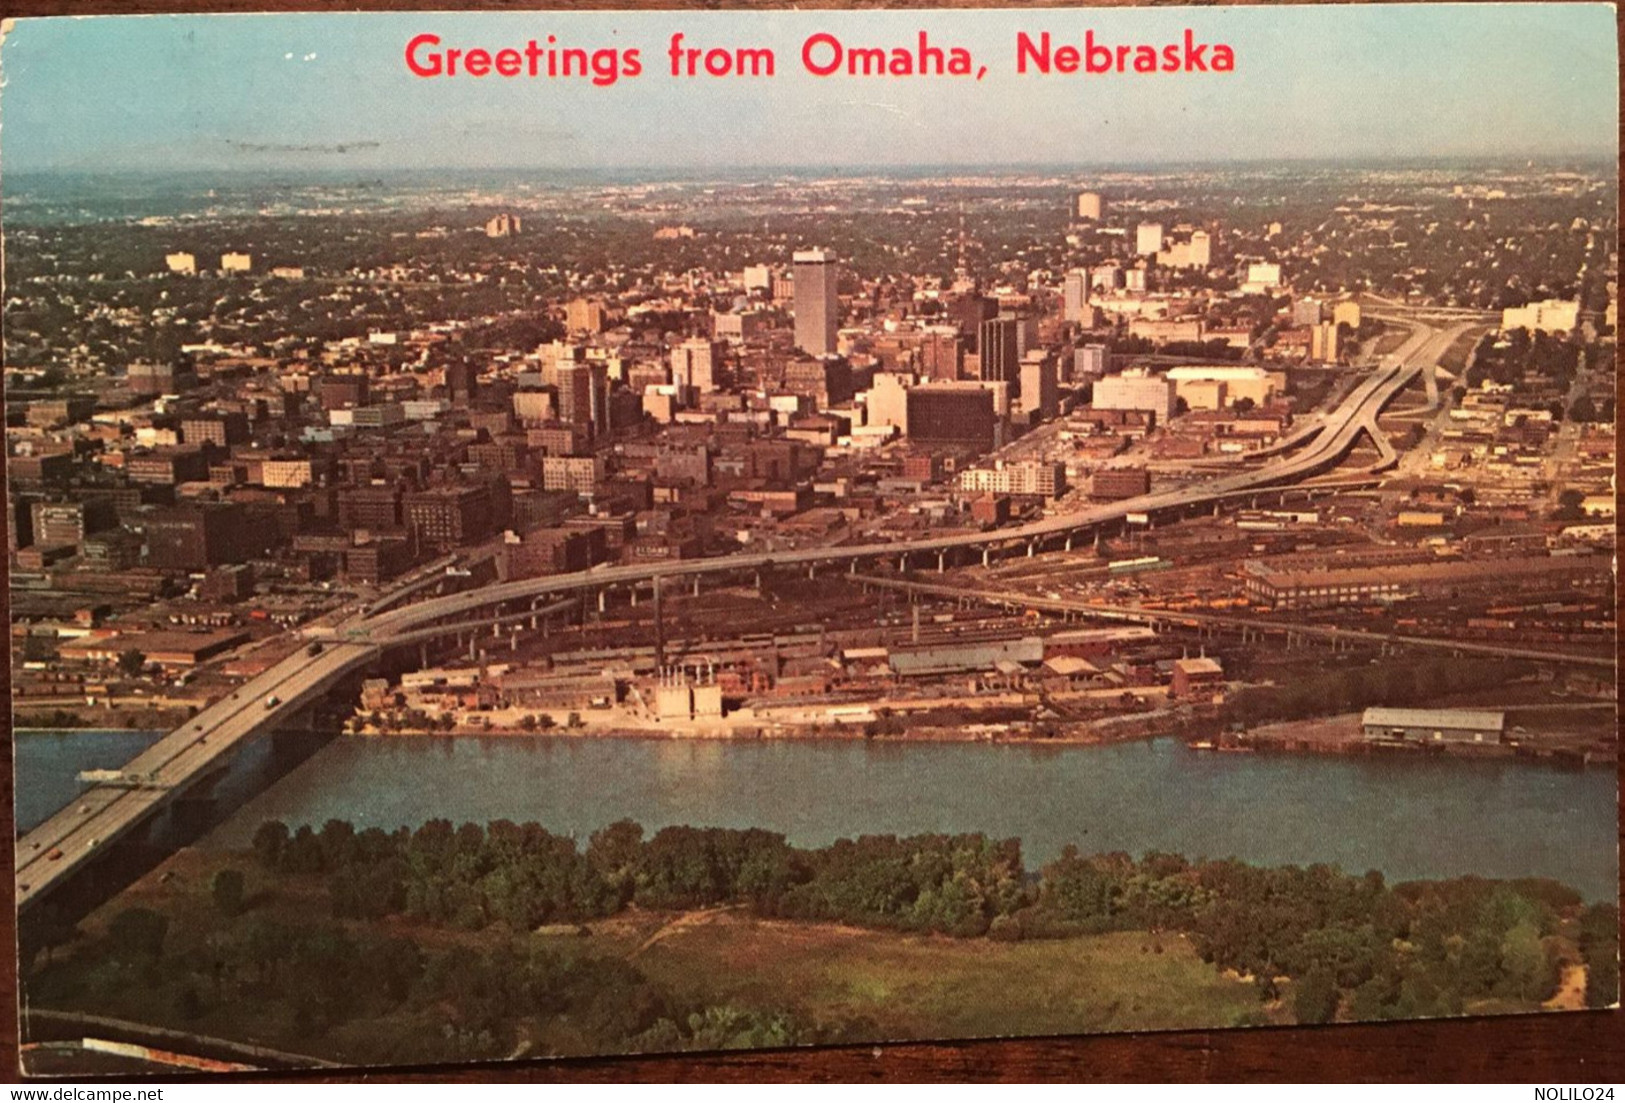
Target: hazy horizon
[{"x": 331, "y": 92}]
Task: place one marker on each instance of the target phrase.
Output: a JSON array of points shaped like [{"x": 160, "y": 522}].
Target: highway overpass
[
  {"x": 1338, "y": 435},
  {"x": 76, "y": 835}
]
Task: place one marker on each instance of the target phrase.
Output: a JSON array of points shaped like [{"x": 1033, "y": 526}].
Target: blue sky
[{"x": 201, "y": 92}]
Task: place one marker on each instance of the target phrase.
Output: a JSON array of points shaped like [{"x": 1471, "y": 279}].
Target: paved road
[
  {"x": 76, "y": 834},
  {"x": 1355, "y": 416}
]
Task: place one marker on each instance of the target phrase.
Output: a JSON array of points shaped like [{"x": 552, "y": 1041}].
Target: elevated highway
[
  {"x": 1254, "y": 625},
  {"x": 104, "y": 813},
  {"x": 1338, "y": 435},
  {"x": 72, "y": 838}
]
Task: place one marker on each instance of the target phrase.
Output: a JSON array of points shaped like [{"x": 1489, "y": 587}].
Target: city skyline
[
  {"x": 1334, "y": 83},
  {"x": 830, "y": 561}
]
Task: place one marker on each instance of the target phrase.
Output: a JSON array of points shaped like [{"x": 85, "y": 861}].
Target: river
[{"x": 1409, "y": 819}]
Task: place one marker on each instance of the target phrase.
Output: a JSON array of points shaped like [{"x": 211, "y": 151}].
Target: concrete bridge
[{"x": 186, "y": 758}]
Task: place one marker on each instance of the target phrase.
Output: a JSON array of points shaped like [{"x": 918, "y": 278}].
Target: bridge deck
[{"x": 76, "y": 834}]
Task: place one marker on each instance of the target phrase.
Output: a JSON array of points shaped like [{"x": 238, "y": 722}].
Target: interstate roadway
[
  {"x": 105, "y": 812},
  {"x": 1338, "y": 434}
]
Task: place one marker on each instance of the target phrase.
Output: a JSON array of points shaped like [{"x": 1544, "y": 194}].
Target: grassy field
[
  {"x": 1455, "y": 357},
  {"x": 875, "y": 984},
  {"x": 913, "y": 986},
  {"x": 1390, "y": 339}
]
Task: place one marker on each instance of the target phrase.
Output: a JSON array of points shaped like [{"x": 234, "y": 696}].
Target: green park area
[{"x": 456, "y": 943}]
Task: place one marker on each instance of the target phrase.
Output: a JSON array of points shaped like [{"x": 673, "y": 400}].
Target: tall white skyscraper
[
  {"x": 1148, "y": 239},
  {"x": 1089, "y": 206},
  {"x": 817, "y": 306}
]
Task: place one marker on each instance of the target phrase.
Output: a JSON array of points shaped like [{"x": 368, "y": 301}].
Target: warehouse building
[
  {"x": 1323, "y": 589},
  {"x": 1433, "y": 725}
]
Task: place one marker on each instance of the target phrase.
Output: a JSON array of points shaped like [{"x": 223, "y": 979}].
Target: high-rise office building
[
  {"x": 817, "y": 306},
  {"x": 1148, "y": 239},
  {"x": 999, "y": 353},
  {"x": 584, "y": 395},
  {"x": 1090, "y": 206},
  {"x": 1040, "y": 390},
  {"x": 969, "y": 312}
]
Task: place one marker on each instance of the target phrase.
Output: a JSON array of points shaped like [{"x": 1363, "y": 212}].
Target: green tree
[
  {"x": 1314, "y": 998},
  {"x": 1569, "y": 506},
  {"x": 1599, "y": 943},
  {"x": 131, "y": 662},
  {"x": 270, "y": 840},
  {"x": 227, "y": 891}
]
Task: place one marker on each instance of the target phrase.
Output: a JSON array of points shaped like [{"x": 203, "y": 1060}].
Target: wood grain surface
[{"x": 1575, "y": 1048}]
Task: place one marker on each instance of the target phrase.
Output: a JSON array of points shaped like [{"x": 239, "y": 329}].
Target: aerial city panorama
[{"x": 707, "y": 559}]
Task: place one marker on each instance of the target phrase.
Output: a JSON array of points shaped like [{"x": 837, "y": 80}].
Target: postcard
[{"x": 581, "y": 533}]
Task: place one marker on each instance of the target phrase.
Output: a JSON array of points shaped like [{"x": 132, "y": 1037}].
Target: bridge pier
[
  {"x": 942, "y": 561},
  {"x": 902, "y": 563},
  {"x": 1031, "y": 544},
  {"x": 811, "y": 572},
  {"x": 987, "y": 554},
  {"x": 634, "y": 595},
  {"x": 603, "y": 601},
  {"x": 1069, "y": 541},
  {"x": 853, "y": 569}
]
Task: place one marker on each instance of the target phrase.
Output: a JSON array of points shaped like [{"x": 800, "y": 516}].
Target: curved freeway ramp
[{"x": 77, "y": 834}]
